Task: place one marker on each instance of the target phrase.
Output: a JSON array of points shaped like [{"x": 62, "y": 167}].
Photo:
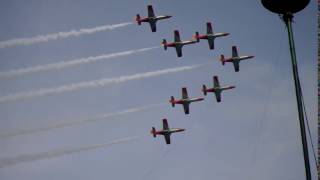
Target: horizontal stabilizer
[
  {"x": 196, "y": 36},
  {"x": 204, "y": 90},
  {"x": 164, "y": 44},
  {"x": 153, "y": 132},
  {"x": 222, "y": 59},
  {"x": 172, "y": 101},
  {"x": 138, "y": 19}
]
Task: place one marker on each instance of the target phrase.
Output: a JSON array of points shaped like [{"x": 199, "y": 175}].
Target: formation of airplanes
[{"x": 185, "y": 100}]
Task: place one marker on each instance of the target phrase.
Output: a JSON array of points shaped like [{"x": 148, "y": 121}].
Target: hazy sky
[{"x": 252, "y": 134}]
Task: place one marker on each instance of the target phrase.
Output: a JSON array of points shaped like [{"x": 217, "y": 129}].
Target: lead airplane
[
  {"x": 217, "y": 89},
  {"x": 185, "y": 101},
  {"x": 235, "y": 59},
  {"x": 210, "y": 36},
  {"x": 166, "y": 131},
  {"x": 151, "y": 19},
  {"x": 178, "y": 44}
]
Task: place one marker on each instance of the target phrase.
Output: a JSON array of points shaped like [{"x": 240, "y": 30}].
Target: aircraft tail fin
[
  {"x": 164, "y": 43},
  {"x": 138, "y": 19},
  {"x": 172, "y": 101},
  {"x": 222, "y": 59},
  {"x": 153, "y": 132},
  {"x": 204, "y": 89},
  {"x": 196, "y": 36}
]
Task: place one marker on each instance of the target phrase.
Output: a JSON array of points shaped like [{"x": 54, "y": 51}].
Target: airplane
[
  {"x": 210, "y": 36},
  {"x": 235, "y": 59},
  {"x": 151, "y": 19},
  {"x": 178, "y": 44},
  {"x": 166, "y": 132},
  {"x": 217, "y": 89},
  {"x": 185, "y": 101}
]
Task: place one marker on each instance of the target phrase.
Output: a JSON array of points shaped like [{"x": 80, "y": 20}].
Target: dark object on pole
[{"x": 286, "y": 8}]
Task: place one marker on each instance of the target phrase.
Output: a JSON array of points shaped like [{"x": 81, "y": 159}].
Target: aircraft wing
[
  {"x": 216, "y": 81},
  {"x": 234, "y": 51},
  {"x": 236, "y": 65},
  {"x": 186, "y": 108},
  {"x": 167, "y": 138},
  {"x": 153, "y": 26},
  {"x": 177, "y": 36},
  {"x": 150, "y": 11},
  {"x": 218, "y": 96},
  {"x": 211, "y": 43},
  {"x": 165, "y": 124},
  {"x": 184, "y": 93},
  {"x": 179, "y": 51},
  {"x": 209, "y": 28}
]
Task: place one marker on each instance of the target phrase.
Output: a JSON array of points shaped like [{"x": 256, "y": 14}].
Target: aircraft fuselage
[
  {"x": 186, "y": 101},
  {"x": 169, "y": 131},
  {"x": 180, "y": 44},
  {"x": 212, "y": 36},
  {"x": 239, "y": 58},
  {"x": 154, "y": 19},
  {"x": 219, "y": 89}
]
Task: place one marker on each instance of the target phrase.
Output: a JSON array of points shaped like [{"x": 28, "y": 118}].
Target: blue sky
[{"x": 252, "y": 134}]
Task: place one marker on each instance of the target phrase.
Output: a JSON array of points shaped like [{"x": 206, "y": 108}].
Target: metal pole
[{"x": 288, "y": 20}]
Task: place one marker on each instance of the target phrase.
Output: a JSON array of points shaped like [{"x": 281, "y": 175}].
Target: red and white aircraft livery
[
  {"x": 217, "y": 89},
  {"x": 235, "y": 59},
  {"x": 210, "y": 36},
  {"x": 166, "y": 132},
  {"x": 178, "y": 44},
  {"x": 185, "y": 101},
  {"x": 151, "y": 19}
]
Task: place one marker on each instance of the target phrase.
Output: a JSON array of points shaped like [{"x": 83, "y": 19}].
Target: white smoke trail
[
  {"x": 59, "y": 35},
  {"x": 73, "y": 122},
  {"x": 71, "y": 63},
  {"x": 5, "y": 162},
  {"x": 92, "y": 84}
]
